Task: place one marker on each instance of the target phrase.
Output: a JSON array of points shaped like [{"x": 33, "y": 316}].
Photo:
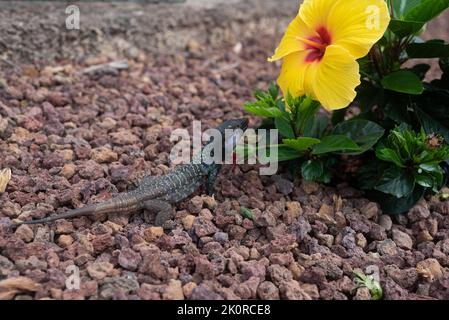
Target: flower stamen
[{"x": 312, "y": 44}]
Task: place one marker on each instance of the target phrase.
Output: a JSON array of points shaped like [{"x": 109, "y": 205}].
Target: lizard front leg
[
  {"x": 210, "y": 181},
  {"x": 163, "y": 209}
]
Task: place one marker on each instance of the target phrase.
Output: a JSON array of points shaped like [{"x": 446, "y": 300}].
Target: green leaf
[
  {"x": 426, "y": 10},
  {"x": 415, "y": 15},
  {"x": 435, "y": 171},
  {"x": 305, "y": 114},
  {"x": 430, "y": 167},
  {"x": 432, "y": 124},
  {"x": 404, "y": 28},
  {"x": 246, "y": 213},
  {"x": 401, "y": 7},
  {"x": 301, "y": 143},
  {"x": 424, "y": 180},
  {"x": 369, "y": 282},
  {"x": 368, "y": 96},
  {"x": 429, "y": 49},
  {"x": 273, "y": 90},
  {"x": 317, "y": 126},
  {"x": 335, "y": 143},
  {"x": 284, "y": 127},
  {"x": 403, "y": 81},
  {"x": 246, "y": 151},
  {"x": 284, "y": 153},
  {"x": 268, "y": 112},
  {"x": 396, "y": 182},
  {"x": 363, "y": 132},
  {"x": 312, "y": 170},
  {"x": 444, "y": 65},
  {"x": 389, "y": 155},
  {"x": 392, "y": 205}
]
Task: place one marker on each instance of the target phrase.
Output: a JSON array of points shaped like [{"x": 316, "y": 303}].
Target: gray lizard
[{"x": 158, "y": 193}]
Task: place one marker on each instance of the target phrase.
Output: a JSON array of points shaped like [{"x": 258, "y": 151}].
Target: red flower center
[{"x": 317, "y": 44}]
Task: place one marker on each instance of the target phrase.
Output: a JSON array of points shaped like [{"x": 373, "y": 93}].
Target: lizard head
[
  {"x": 231, "y": 132},
  {"x": 233, "y": 124}
]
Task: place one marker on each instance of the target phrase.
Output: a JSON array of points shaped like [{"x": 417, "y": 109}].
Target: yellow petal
[
  {"x": 291, "y": 78},
  {"x": 357, "y": 25},
  {"x": 289, "y": 42},
  {"x": 333, "y": 79},
  {"x": 314, "y": 13}
]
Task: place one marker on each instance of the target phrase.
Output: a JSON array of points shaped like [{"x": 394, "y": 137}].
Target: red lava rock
[
  {"x": 118, "y": 287},
  {"x": 387, "y": 247},
  {"x": 278, "y": 274},
  {"x": 284, "y": 244},
  {"x": 103, "y": 154},
  {"x": 393, "y": 291},
  {"x": 236, "y": 232},
  {"x": 253, "y": 269},
  {"x": 91, "y": 170},
  {"x": 83, "y": 152},
  {"x": 359, "y": 223},
  {"x": 221, "y": 237},
  {"x": 314, "y": 275},
  {"x": 292, "y": 290},
  {"x": 195, "y": 204},
  {"x": 418, "y": 212},
  {"x": 124, "y": 137},
  {"x": 152, "y": 266},
  {"x": 264, "y": 218},
  {"x": 53, "y": 160},
  {"x": 377, "y": 232},
  {"x": 25, "y": 233},
  {"x": 371, "y": 211},
  {"x": 406, "y": 278},
  {"x": 301, "y": 228},
  {"x": 283, "y": 259},
  {"x": 385, "y": 222},
  {"x": 248, "y": 289},
  {"x": 402, "y": 239},
  {"x": 64, "y": 227},
  {"x": 129, "y": 259},
  {"x": 102, "y": 242},
  {"x": 203, "y": 293},
  {"x": 204, "y": 227},
  {"x": 284, "y": 186},
  {"x": 204, "y": 268},
  {"x": 440, "y": 288},
  {"x": 149, "y": 292},
  {"x": 268, "y": 291}
]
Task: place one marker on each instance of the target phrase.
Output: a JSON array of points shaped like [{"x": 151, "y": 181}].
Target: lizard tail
[{"x": 87, "y": 210}]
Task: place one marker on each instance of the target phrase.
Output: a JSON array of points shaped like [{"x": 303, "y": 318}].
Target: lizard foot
[{"x": 164, "y": 211}]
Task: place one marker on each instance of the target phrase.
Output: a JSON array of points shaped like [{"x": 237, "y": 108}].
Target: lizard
[{"x": 157, "y": 194}]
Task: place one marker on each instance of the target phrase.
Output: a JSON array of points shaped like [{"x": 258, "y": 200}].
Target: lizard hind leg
[{"x": 163, "y": 209}]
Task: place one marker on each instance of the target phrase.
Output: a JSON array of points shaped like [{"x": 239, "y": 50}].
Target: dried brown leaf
[
  {"x": 19, "y": 283},
  {"x": 5, "y": 176},
  {"x": 8, "y": 295}
]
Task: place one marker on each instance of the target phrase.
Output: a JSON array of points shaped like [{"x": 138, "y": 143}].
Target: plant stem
[{"x": 374, "y": 58}]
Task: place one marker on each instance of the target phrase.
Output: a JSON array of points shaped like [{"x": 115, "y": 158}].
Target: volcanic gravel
[{"x": 72, "y": 138}]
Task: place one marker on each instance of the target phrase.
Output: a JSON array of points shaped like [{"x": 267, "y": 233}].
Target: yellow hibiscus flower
[{"x": 321, "y": 45}]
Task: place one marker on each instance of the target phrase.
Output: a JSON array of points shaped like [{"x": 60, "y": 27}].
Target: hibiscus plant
[{"x": 355, "y": 59}]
